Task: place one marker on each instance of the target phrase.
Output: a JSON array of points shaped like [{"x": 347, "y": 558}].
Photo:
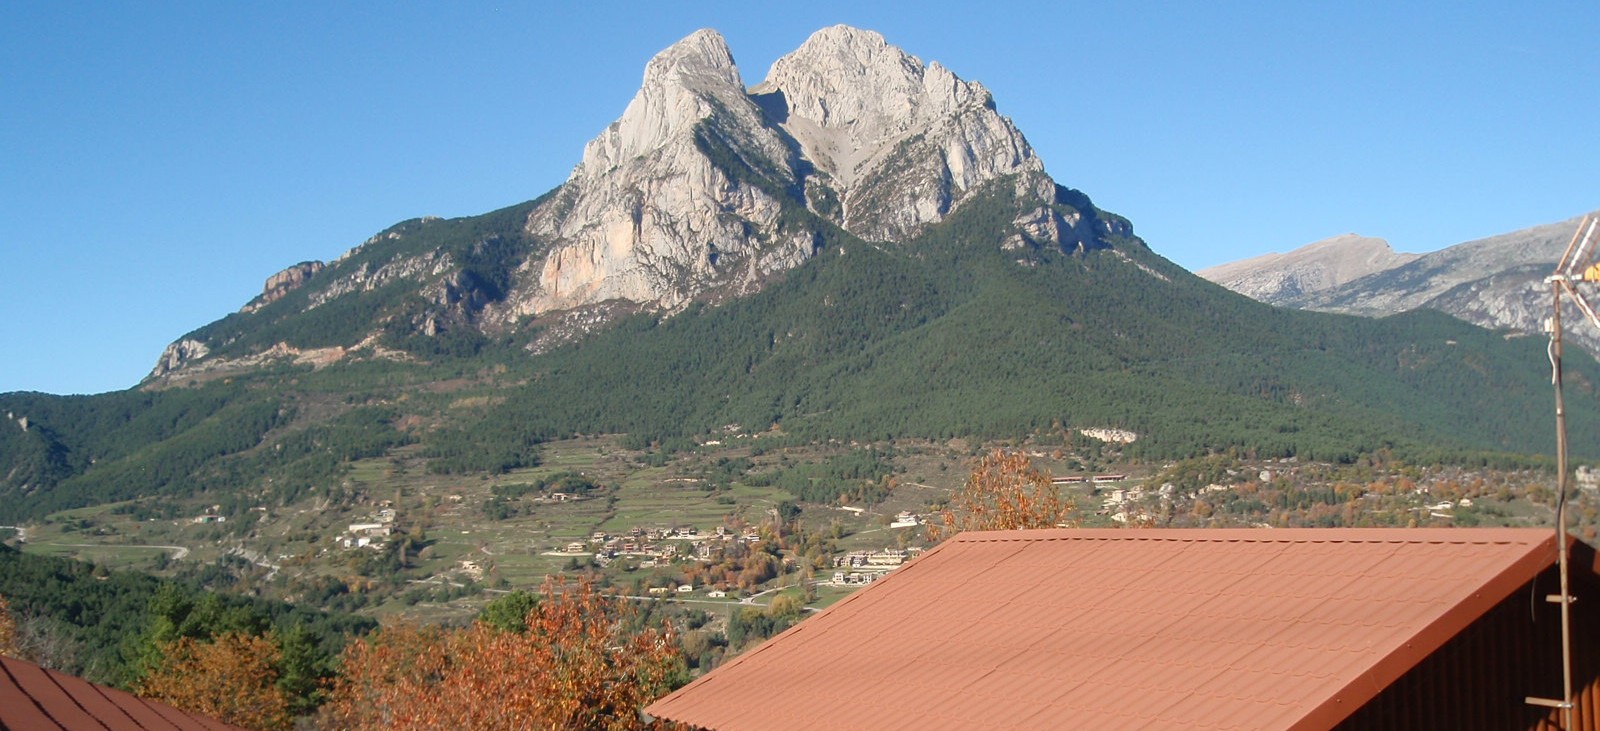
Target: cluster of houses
[
  {"x": 685, "y": 589},
  {"x": 370, "y": 535},
  {"x": 1442, "y": 509},
  {"x": 859, "y": 568},
  {"x": 860, "y": 578},
  {"x": 656, "y": 545}
]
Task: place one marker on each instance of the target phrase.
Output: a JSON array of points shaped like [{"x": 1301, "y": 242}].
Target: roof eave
[{"x": 1347, "y": 700}]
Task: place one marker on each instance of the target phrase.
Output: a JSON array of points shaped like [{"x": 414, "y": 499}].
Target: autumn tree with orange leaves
[
  {"x": 1004, "y": 492},
  {"x": 10, "y": 645},
  {"x": 232, "y": 678},
  {"x": 579, "y": 665}
]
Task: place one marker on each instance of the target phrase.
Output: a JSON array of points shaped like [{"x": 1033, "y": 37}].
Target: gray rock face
[
  {"x": 847, "y": 125},
  {"x": 1418, "y": 283},
  {"x": 283, "y": 283},
  {"x": 1293, "y": 278},
  {"x": 648, "y": 216},
  {"x": 367, "y": 277},
  {"x": 177, "y": 355},
  {"x": 1496, "y": 282},
  {"x": 898, "y": 143}
]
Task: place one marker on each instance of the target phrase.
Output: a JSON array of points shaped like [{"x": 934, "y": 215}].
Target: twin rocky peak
[
  {"x": 693, "y": 176},
  {"x": 687, "y": 195}
]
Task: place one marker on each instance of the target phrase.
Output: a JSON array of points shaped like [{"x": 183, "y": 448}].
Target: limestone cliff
[
  {"x": 283, "y": 283},
  {"x": 898, "y": 143},
  {"x": 177, "y": 355},
  {"x": 682, "y": 195},
  {"x": 647, "y": 216}
]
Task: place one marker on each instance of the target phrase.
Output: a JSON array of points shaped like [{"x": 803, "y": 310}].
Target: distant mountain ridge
[
  {"x": 1303, "y": 274},
  {"x": 1495, "y": 282}
]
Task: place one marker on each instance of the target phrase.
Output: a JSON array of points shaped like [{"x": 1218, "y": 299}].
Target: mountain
[
  {"x": 1496, "y": 282},
  {"x": 857, "y": 248},
  {"x": 1291, "y": 279},
  {"x": 702, "y": 190}
]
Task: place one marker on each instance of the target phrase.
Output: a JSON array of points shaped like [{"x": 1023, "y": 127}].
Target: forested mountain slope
[
  {"x": 945, "y": 335},
  {"x": 861, "y": 248}
]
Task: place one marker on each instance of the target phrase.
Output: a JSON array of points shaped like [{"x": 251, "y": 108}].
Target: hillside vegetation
[{"x": 947, "y": 335}]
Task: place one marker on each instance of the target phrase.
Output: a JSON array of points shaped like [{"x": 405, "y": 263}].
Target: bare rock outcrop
[
  {"x": 681, "y": 197},
  {"x": 899, "y": 143},
  {"x": 178, "y": 355},
  {"x": 283, "y": 283},
  {"x": 648, "y": 215}
]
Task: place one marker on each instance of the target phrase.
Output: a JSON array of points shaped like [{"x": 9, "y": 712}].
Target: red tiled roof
[
  {"x": 1113, "y": 629},
  {"x": 35, "y": 699}
]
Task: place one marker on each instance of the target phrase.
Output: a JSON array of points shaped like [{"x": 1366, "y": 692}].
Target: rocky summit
[
  {"x": 647, "y": 216},
  {"x": 702, "y": 190},
  {"x": 898, "y": 143},
  {"x": 684, "y": 193}
]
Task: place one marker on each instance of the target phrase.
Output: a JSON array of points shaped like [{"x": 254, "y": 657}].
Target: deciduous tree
[
  {"x": 577, "y": 666},
  {"x": 232, "y": 678},
  {"x": 9, "y": 644},
  {"x": 1004, "y": 492}
]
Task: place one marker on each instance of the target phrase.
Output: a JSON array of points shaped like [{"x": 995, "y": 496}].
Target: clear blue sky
[{"x": 159, "y": 160}]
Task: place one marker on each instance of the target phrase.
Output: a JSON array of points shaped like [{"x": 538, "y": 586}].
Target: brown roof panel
[
  {"x": 34, "y": 698},
  {"x": 1106, "y": 629}
]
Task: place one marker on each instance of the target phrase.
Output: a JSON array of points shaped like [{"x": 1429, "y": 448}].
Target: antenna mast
[{"x": 1569, "y": 272}]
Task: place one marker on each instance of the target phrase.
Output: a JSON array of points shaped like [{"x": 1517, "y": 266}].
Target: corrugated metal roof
[
  {"x": 1112, "y": 629},
  {"x": 35, "y": 699}
]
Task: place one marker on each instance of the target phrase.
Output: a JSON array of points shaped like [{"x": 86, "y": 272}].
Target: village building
[
  {"x": 885, "y": 559},
  {"x": 906, "y": 519},
  {"x": 363, "y": 535},
  {"x": 1182, "y": 629}
]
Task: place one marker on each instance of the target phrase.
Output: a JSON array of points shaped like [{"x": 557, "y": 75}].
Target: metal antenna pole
[
  {"x": 1562, "y": 487},
  {"x": 1568, "y": 271}
]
